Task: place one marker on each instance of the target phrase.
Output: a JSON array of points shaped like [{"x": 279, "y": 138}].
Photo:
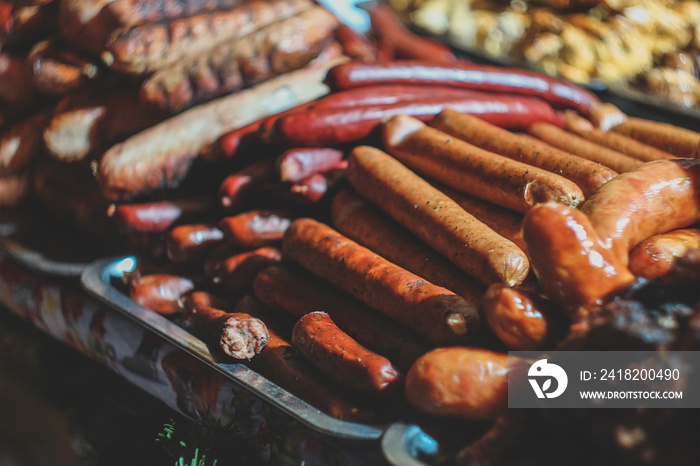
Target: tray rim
[
  {"x": 94, "y": 280},
  {"x": 34, "y": 260}
]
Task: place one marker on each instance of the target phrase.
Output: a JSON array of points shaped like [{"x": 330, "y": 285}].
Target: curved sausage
[
  {"x": 341, "y": 357},
  {"x": 588, "y": 175},
  {"x": 237, "y": 271},
  {"x": 255, "y": 228},
  {"x": 573, "y": 268},
  {"x": 655, "y": 256},
  {"x": 158, "y": 216},
  {"x": 432, "y": 311},
  {"x": 494, "y": 178},
  {"x": 522, "y": 320},
  {"x": 319, "y": 186},
  {"x": 160, "y": 293},
  {"x": 435, "y": 218},
  {"x": 459, "y": 382},
  {"x": 569, "y": 142},
  {"x": 238, "y": 187},
  {"x": 296, "y": 164},
  {"x": 360, "y": 221},
  {"x": 655, "y": 198},
  {"x": 186, "y": 243}
]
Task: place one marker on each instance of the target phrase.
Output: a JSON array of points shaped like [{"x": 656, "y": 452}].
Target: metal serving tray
[{"x": 96, "y": 281}]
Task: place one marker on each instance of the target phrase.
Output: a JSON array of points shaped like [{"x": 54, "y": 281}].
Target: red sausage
[
  {"x": 466, "y": 75},
  {"x": 335, "y": 353},
  {"x": 296, "y": 164},
  {"x": 255, "y": 228},
  {"x": 390, "y": 94},
  {"x": 157, "y": 217},
  {"x": 189, "y": 242},
  {"x": 656, "y": 256},
  {"x": 334, "y": 126},
  {"x": 237, "y": 271},
  {"x": 319, "y": 185},
  {"x": 160, "y": 293},
  {"x": 238, "y": 187},
  {"x": 355, "y": 45}
]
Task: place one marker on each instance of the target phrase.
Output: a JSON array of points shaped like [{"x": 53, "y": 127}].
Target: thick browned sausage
[
  {"x": 186, "y": 243},
  {"x": 255, "y": 228},
  {"x": 237, "y": 334},
  {"x": 522, "y": 320},
  {"x": 435, "y": 218},
  {"x": 655, "y": 198},
  {"x": 577, "y": 145},
  {"x": 678, "y": 141},
  {"x": 160, "y": 293},
  {"x": 297, "y": 293},
  {"x": 359, "y": 220},
  {"x": 588, "y": 175},
  {"x": 655, "y": 256},
  {"x": 459, "y": 382},
  {"x": 341, "y": 357},
  {"x": 573, "y": 268},
  {"x": 237, "y": 271},
  {"x": 432, "y": 311}
]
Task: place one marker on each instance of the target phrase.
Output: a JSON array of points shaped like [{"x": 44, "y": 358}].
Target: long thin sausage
[
  {"x": 357, "y": 219},
  {"x": 656, "y": 256},
  {"x": 583, "y": 148},
  {"x": 678, "y": 141},
  {"x": 432, "y": 311},
  {"x": 341, "y": 357},
  {"x": 587, "y": 175},
  {"x": 656, "y": 198},
  {"x": 297, "y": 294},
  {"x": 435, "y": 218},
  {"x": 390, "y": 94},
  {"x": 460, "y": 165}
]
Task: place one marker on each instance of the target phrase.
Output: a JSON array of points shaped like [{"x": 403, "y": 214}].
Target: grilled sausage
[
  {"x": 587, "y": 175},
  {"x": 355, "y": 45},
  {"x": 255, "y": 228},
  {"x": 297, "y": 294},
  {"x": 57, "y": 70},
  {"x": 159, "y": 216},
  {"x": 656, "y": 256},
  {"x": 238, "y": 187},
  {"x": 319, "y": 186},
  {"x": 432, "y": 311},
  {"x": 186, "y": 243},
  {"x": 459, "y": 382},
  {"x": 160, "y": 293},
  {"x": 20, "y": 143},
  {"x": 296, "y": 164},
  {"x": 237, "y": 271},
  {"x": 574, "y": 269},
  {"x": 435, "y": 218},
  {"x": 678, "y": 141},
  {"x": 655, "y": 198},
  {"x": 360, "y": 221},
  {"x": 341, "y": 357},
  {"x": 500, "y": 180}
]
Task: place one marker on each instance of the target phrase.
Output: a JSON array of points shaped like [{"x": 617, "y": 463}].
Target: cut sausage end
[
  {"x": 243, "y": 338},
  {"x": 398, "y": 128}
]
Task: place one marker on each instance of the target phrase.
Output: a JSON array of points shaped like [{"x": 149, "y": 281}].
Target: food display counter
[{"x": 333, "y": 238}]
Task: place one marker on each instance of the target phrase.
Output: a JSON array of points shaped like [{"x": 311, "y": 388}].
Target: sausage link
[
  {"x": 435, "y": 218},
  {"x": 432, "y": 311},
  {"x": 613, "y": 140},
  {"x": 256, "y": 228},
  {"x": 459, "y": 382},
  {"x": 387, "y": 94},
  {"x": 334, "y": 126},
  {"x": 678, "y": 141},
  {"x": 186, "y": 243},
  {"x": 159, "y": 216},
  {"x": 297, "y": 294},
  {"x": 355, "y": 45},
  {"x": 237, "y": 188},
  {"x": 655, "y": 198},
  {"x": 296, "y": 164},
  {"x": 360, "y": 221},
  {"x": 160, "y": 293},
  {"x": 503, "y": 221},
  {"x": 522, "y": 320},
  {"x": 20, "y": 143},
  {"x": 656, "y": 256},
  {"x": 58, "y": 70},
  {"x": 319, "y": 186},
  {"x": 237, "y": 271},
  {"x": 341, "y": 357},
  {"x": 460, "y": 165},
  {"x": 573, "y": 268},
  {"x": 464, "y": 75},
  {"x": 587, "y": 175},
  {"x": 569, "y": 142}
]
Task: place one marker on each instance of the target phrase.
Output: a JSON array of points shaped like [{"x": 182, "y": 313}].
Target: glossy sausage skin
[
  {"x": 386, "y": 94},
  {"x": 522, "y": 320},
  {"x": 157, "y": 217},
  {"x": 334, "y": 126},
  {"x": 160, "y": 293},
  {"x": 237, "y": 271},
  {"x": 655, "y": 198},
  {"x": 186, "y": 243},
  {"x": 360, "y": 221},
  {"x": 570, "y": 142},
  {"x": 255, "y": 228},
  {"x": 240, "y": 186},
  {"x": 588, "y": 175},
  {"x": 341, "y": 357},
  {"x": 464, "y": 75},
  {"x": 296, "y": 164},
  {"x": 574, "y": 269},
  {"x": 655, "y": 256},
  {"x": 459, "y": 382},
  {"x": 319, "y": 186},
  {"x": 437, "y": 313},
  {"x": 355, "y": 45},
  {"x": 462, "y": 166},
  {"x": 297, "y": 294},
  {"x": 435, "y": 218}
]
